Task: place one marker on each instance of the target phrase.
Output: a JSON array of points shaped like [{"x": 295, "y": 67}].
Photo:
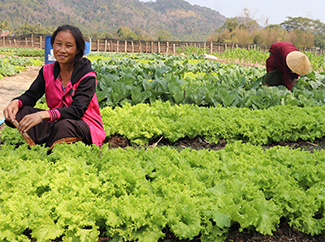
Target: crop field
[{"x": 158, "y": 191}]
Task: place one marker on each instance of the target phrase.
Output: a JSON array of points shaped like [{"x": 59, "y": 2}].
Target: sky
[{"x": 271, "y": 12}]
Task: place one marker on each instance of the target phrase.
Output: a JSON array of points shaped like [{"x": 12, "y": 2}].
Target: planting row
[
  {"x": 143, "y": 79},
  {"x": 143, "y": 123},
  {"x": 80, "y": 193}
]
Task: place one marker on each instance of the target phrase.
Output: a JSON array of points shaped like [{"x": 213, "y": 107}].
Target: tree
[
  {"x": 163, "y": 35},
  {"x": 319, "y": 40},
  {"x": 126, "y": 33},
  {"x": 258, "y": 37},
  {"x": 230, "y": 24},
  {"x": 225, "y": 36},
  {"x": 251, "y": 26},
  {"x": 294, "y": 23},
  {"x": 248, "y": 15},
  {"x": 4, "y": 25},
  {"x": 305, "y": 29},
  {"x": 27, "y": 29},
  {"x": 274, "y": 33}
]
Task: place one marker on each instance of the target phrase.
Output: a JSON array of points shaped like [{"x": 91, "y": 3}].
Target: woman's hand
[
  {"x": 11, "y": 110},
  {"x": 29, "y": 121},
  {"x": 293, "y": 82}
]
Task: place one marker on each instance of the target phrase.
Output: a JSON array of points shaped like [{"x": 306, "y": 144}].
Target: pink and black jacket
[{"x": 78, "y": 101}]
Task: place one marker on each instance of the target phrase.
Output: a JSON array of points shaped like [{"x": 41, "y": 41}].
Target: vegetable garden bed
[{"x": 176, "y": 167}]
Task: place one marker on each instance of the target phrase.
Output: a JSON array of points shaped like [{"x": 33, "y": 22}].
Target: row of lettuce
[
  {"x": 144, "y": 124},
  {"x": 81, "y": 193}
]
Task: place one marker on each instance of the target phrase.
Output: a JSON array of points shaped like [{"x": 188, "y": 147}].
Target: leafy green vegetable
[{"x": 136, "y": 194}]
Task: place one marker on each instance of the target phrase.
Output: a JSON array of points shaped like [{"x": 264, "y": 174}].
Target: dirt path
[{"x": 13, "y": 86}]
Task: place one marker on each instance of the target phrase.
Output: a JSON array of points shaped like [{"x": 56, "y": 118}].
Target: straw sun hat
[{"x": 298, "y": 62}]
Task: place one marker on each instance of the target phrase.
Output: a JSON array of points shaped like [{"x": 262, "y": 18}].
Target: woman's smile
[{"x": 64, "y": 48}]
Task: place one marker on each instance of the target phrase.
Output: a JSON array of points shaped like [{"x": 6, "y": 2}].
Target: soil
[{"x": 13, "y": 86}]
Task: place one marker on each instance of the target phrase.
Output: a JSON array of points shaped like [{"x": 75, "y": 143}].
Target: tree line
[{"x": 301, "y": 31}]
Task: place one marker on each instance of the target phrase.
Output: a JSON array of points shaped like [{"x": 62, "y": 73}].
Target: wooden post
[
  {"x": 159, "y": 47},
  {"x": 32, "y": 40},
  {"x": 105, "y": 47},
  {"x": 40, "y": 42},
  {"x": 254, "y": 47},
  {"x": 225, "y": 47},
  {"x": 174, "y": 49},
  {"x": 118, "y": 46},
  {"x": 26, "y": 41},
  {"x": 211, "y": 47},
  {"x": 125, "y": 46},
  {"x": 151, "y": 46},
  {"x": 132, "y": 46},
  {"x": 167, "y": 46},
  {"x": 97, "y": 44}
]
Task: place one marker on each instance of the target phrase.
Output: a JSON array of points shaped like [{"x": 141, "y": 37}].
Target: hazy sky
[{"x": 275, "y": 11}]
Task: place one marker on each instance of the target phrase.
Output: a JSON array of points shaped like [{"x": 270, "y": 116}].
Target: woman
[
  {"x": 285, "y": 64},
  {"x": 69, "y": 85}
]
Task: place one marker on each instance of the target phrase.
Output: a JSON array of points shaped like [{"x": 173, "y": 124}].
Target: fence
[
  {"x": 165, "y": 47},
  {"x": 23, "y": 42},
  {"x": 137, "y": 46}
]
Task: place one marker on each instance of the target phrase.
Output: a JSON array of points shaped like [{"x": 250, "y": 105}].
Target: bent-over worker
[{"x": 285, "y": 64}]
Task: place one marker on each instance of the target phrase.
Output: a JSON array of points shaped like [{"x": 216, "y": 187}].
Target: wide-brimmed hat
[{"x": 298, "y": 63}]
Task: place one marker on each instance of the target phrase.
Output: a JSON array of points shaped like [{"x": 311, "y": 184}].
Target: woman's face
[{"x": 64, "y": 48}]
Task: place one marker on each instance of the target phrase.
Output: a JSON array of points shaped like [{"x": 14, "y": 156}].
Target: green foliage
[
  {"x": 243, "y": 55},
  {"x": 191, "y": 50},
  {"x": 22, "y": 52},
  {"x": 184, "y": 21},
  {"x": 9, "y": 66},
  {"x": 164, "y": 35},
  {"x": 143, "y": 123},
  {"x": 6, "y": 69},
  {"x": 141, "y": 78},
  {"x": 79, "y": 192},
  {"x": 137, "y": 194},
  {"x": 11, "y": 136},
  {"x": 126, "y": 33}
]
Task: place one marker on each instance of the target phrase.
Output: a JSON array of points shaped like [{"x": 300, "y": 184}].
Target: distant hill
[{"x": 183, "y": 20}]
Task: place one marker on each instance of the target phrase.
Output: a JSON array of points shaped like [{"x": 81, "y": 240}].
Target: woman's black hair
[{"x": 78, "y": 36}]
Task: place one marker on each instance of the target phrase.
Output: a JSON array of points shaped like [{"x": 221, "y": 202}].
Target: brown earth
[{"x": 13, "y": 86}]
